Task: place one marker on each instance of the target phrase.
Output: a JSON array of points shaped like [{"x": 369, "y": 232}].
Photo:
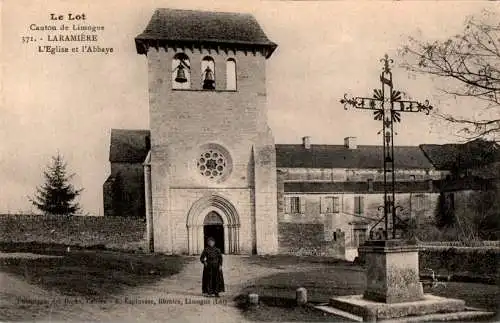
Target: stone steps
[
  {"x": 469, "y": 314},
  {"x": 431, "y": 308}
]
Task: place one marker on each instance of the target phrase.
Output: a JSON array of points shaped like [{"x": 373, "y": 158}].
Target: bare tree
[{"x": 469, "y": 63}]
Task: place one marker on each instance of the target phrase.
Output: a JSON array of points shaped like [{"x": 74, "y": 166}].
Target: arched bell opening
[
  {"x": 181, "y": 72},
  {"x": 208, "y": 73}
]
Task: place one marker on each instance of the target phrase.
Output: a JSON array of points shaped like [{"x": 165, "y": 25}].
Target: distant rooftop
[
  {"x": 471, "y": 154},
  {"x": 339, "y": 156},
  {"x": 191, "y": 27},
  {"x": 128, "y": 145}
]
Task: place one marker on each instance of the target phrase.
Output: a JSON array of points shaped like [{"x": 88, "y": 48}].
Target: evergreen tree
[{"x": 57, "y": 195}]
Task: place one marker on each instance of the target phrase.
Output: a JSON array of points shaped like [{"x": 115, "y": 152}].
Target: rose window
[{"x": 212, "y": 164}]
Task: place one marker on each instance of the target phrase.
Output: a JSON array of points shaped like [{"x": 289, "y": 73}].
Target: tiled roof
[
  {"x": 128, "y": 146},
  {"x": 472, "y": 154},
  {"x": 338, "y": 156},
  {"x": 192, "y": 27},
  {"x": 442, "y": 156}
]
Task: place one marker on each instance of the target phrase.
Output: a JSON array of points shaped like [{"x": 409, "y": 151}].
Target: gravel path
[{"x": 174, "y": 299}]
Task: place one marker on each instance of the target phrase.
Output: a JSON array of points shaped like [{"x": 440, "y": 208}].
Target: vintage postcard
[{"x": 249, "y": 161}]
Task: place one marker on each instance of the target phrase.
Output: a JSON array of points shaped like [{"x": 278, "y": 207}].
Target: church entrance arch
[{"x": 213, "y": 216}]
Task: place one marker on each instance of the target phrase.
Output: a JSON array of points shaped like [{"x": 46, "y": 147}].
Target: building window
[
  {"x": 294, "y": 205},
  {"x": 212, "y": 164},
  {"x": 231, "y": 74},
  {"x": 370, "y": 185},
  {"x": 208, "y": 73},
  {"x": 359, "y": 205},
  {"x": 330, "y": 204},
  {"x": 181, "y": 72}
]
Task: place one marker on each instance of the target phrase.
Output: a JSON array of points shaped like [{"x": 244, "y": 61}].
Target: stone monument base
[
  {"x": 374, "y": 311},
  {"x": 391, "y": 271},
  {"x": 393, "y": 289}
]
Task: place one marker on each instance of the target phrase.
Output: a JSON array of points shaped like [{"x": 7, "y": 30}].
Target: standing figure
[{"x": 213, "y": 280}]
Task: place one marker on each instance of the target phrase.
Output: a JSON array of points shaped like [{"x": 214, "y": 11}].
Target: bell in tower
[
  {"x": 181, "y": 76},
  {"x": 208, "y": 80}
]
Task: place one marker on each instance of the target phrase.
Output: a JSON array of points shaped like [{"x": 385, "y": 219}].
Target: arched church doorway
[
  {"x": 213, "y": 227},
  {"x": 213, "y": 215}
]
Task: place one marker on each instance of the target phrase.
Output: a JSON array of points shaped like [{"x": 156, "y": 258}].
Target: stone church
[{"x": 209, "y": 165}]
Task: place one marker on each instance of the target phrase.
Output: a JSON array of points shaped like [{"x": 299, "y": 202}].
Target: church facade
[
  {"x": 209, "y": 165},
  {"x": 212, "y": 159}
]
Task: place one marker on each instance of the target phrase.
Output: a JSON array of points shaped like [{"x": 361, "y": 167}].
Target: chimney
[
  {"x": 350, "y": 142},
  {"x": 306, "y": 141}
]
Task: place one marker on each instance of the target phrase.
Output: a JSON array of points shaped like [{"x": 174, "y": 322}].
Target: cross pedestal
[
  {"x": 393, "y": 288},
  {"x": 391, "y": 271}
]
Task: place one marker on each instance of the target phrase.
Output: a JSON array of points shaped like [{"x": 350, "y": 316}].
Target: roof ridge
[
  {"x": 207, "y": 11},
  {"x": 169, "y": 26},
  {"x": 342, "y": 145},
  {"x": 123, "y": 130}
]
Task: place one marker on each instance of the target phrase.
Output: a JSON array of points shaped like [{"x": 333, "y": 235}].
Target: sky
[{"x": 68, "y": 103}]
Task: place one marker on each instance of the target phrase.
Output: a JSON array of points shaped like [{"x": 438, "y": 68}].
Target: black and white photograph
[{"x": 249, "y": 161}]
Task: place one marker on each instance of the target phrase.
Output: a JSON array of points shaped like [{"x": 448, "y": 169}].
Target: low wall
[
  {"x": 475, "y": 244},
  {"x": 113, "y": 232},
  {"x": 479, "y": 263},
  {"x": 308, "y": 239},
  {"x": 475, "y": 264}
]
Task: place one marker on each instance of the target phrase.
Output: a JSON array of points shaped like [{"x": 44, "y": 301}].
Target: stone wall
[
  {"x": 76, "y": 230},
  {"x": 303, "y": 239},
  {"x": 182, "y": 121}
]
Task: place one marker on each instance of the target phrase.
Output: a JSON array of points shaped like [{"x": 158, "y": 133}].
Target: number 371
[{"x": 27, "y": 39}]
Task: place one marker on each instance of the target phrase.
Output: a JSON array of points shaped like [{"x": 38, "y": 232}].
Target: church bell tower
[{"x": 212, "y": 161}]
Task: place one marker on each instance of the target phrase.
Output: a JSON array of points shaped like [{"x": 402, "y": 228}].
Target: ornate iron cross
[{"x": 387, "y": 105}]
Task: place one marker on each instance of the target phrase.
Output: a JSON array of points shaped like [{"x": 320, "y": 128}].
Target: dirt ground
[
  {"x": 177, "y": 297},
  {"x": 174, "y": 299}
]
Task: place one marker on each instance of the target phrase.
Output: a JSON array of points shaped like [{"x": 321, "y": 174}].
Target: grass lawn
[
  {"x": 324, "y": 278},
  {"x": 92, "y": 272},
  {"x": 284, "y": 261}
]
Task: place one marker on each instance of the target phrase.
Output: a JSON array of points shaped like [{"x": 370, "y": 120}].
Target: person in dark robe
[{"x": 213, "y": 279}]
